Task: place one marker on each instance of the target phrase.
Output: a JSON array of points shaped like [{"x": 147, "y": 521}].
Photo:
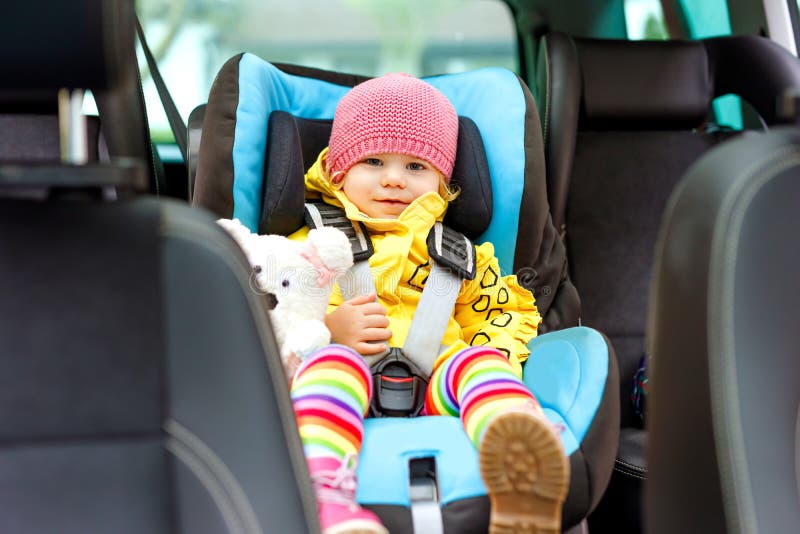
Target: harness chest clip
[{"x": 398, "y": 387}]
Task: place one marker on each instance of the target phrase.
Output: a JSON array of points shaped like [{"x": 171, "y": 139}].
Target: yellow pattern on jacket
[{"x": 489, "y": 310}]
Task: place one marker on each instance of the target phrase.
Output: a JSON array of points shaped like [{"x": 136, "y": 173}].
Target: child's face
[{"x": 383, "y": 185}]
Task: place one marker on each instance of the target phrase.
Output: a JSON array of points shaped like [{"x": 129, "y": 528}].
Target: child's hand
[{"x": 361, "y": 324}]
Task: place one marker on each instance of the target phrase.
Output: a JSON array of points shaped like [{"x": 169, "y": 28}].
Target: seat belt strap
[
  {"x": 358, "y": 280},
  {"x": 319, "y": 214},
  {"x": 174, "y": 118},
  {"x": 423, "y": 496},
  {"x": 427, "y": 517},
  {"x": 453, "y": 260},
  {"x": 424, "y": 340},
  {"x": 453, "y": 250}
]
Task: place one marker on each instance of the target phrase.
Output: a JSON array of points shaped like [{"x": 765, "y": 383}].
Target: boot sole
[{"x": 524, "y": 468}]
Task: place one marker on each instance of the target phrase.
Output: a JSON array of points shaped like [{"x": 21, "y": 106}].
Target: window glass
[
  {"x": 191, "y": 39},
  {"x": 645, "y": 20},
  {"x": 706, "y": 18},
  {"x": 710, "y": 18}
]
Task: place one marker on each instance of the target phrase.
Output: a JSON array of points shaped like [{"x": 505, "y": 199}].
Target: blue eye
[{"x": 373, "y": 161}]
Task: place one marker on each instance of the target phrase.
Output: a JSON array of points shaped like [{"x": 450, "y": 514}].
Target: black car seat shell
[
  {"x": 142, "y": 389},
  {"x": 724, "y": 415},
  {"x": 296, "y": 105},
  {"x": 623, "y": 121}
]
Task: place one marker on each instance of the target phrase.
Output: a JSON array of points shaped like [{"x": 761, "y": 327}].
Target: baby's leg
[
  {"x": 330, "y": 393},
  {"x": 522, "y": 460}
]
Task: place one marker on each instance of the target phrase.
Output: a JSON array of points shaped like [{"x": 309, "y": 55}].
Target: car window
[
  {"x": 644, "y": 19},
  {"x": 191, "y": 39}
]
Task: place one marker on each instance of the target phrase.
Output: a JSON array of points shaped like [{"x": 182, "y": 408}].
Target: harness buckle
[{"x": 398, "y": 387}]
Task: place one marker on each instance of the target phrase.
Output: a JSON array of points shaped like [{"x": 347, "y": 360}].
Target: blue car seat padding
[{"x": 567, "y": 371}]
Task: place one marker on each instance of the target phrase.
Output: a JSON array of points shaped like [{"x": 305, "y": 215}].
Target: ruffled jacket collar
[{"x": 420, "y": 215}]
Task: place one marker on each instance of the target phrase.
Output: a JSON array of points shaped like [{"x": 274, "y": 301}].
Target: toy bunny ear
[
  {"x": 328, "y": 250},
  {"x": 238, "y": 231},
  {"x": 333, "y": 248},
  {"x": 310, "y": 253}
]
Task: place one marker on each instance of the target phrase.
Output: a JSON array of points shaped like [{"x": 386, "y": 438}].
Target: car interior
[{"x": 635, "y": 163}]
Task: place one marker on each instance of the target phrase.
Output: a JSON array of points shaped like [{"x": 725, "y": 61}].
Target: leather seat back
[
  {"x": 724, "y": 450},
  {"x": 142, "y": 389},
  {"x": 623, "y": 121}
]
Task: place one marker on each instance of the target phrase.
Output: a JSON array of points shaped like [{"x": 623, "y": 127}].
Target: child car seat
[{"x": 265, "y": 124}]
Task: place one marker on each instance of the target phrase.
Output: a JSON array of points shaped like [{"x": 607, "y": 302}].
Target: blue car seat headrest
[
  {"x": 250, "y": 155},
  {"x": 293, "y": 145}
]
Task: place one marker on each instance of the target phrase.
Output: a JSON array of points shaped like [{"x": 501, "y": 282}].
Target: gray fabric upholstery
[
  {"x": 62, "y": 366},
  {"x": 35, "y": 137},
  {"x": 86, "y": 44},
  {"x": 80, "y": 393},
  {"x": 726, "y": 377},
  {"x": 620, "y": 184},
  {"x": 74, "y": 486}
]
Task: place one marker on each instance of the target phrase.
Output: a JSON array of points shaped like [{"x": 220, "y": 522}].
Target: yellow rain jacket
[{"x": 490, "y": 310}]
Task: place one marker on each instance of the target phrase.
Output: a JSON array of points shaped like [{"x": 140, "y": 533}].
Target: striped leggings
[{"x": 332, "y": 388}]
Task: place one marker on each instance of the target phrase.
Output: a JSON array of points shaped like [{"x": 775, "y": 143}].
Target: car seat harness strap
[
  {"x": 401, "y": 374},
  {"x": 319, "y": 214}
]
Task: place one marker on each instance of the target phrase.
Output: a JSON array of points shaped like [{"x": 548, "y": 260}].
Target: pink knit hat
[{"x": 395, "y": 113}]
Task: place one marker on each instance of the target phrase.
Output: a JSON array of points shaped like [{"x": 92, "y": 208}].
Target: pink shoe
[{"x": 335, "y": 487}]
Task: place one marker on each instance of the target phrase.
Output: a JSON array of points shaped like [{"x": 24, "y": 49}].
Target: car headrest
[
  {"x": 79, "y": 44},
  {"x": 670, "y": 84},
  {"x": 245, "y": 145},
  {"x": 626, "y": 82},
  {"x": 82, "y": 44},
  {"x": 755, "y": 68}
]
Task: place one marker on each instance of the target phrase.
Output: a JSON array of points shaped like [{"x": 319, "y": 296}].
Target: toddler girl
[{"x": 388, "y": 165}]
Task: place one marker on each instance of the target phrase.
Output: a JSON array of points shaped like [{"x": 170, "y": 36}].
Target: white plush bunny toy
[{"x": 300, "y": 276}]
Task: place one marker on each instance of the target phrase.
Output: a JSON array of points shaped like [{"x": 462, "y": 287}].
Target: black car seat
[
  {"x": 141, "y": 388},
  {"x": 265, "y": 124},
  {"x": 724, "y": 410},
  {"x": 622, "y": 122}
]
